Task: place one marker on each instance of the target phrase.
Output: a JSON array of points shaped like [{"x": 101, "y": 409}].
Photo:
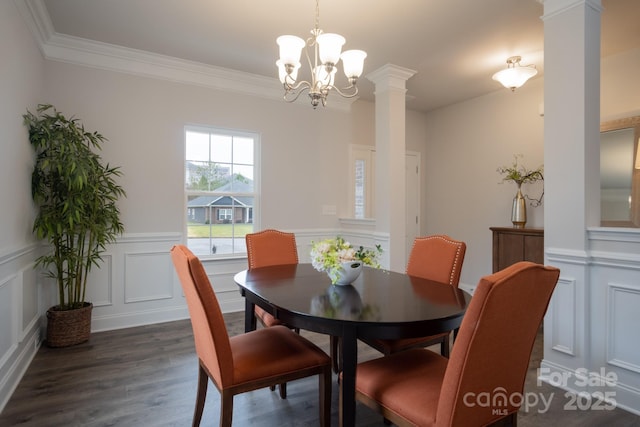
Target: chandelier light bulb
[
  {"x": 330, "y": 46},
  {"x": 353, "y": 62},
  {"x": 290, "y": 49},
  {"x": 286, "y": 76},
  {"x": 323, "y": 77}
]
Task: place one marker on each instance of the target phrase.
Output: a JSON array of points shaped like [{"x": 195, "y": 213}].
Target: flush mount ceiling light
[
  {"x": 515, "y": 75},
  {"x": 326, "y": 49}
]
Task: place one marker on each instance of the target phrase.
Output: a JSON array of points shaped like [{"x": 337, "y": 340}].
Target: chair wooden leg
[
  {"x": 203, "y": 382},
  {"x": 283, "y": 390},
  {"x": 325, "y": 398},
  {"x": 335, "y": 343},
  {"x": 226, "y": 408}
]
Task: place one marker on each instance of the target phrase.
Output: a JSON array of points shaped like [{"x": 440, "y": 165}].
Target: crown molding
[
  {"x": 556, "y": 7},
  {"x": 79, "y": 51}
]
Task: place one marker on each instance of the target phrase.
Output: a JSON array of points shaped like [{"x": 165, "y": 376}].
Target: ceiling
[{"x": 454, "y": 45}]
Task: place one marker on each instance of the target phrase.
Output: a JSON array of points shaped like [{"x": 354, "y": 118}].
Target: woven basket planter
[{"x": 68, "y": 327}]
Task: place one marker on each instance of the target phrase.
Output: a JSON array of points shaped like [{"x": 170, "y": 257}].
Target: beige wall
[
  {"x": 620, "y": 91},
  {"x": 304, "y": 152},
  {"x": 21, "y": 83},
  {"x": 466, "y": 143}
]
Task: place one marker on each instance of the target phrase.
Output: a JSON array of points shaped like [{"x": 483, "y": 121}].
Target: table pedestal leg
[
  {"x": 347, "y": 414},
  {"x": 249, "y": 316}
]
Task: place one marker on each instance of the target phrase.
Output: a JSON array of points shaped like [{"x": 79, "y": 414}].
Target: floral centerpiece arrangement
[{"x": 328, "y": 255}]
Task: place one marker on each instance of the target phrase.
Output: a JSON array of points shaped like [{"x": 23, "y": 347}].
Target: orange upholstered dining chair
[
  {"x": 418, "y": 387},
  {"x": 266, "y": 248},
  {"x": 244, "y": 362},
  {"x": 438, "y": 258}
]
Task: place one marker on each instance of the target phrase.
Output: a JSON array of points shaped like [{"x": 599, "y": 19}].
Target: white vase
[{"x": 347, "y": 273}]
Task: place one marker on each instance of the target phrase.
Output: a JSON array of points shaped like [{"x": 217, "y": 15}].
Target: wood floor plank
[{"x": 146, "y": 376}]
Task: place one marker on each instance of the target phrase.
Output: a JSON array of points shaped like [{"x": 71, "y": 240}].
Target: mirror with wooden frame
[{"x": 620, "y": 173}]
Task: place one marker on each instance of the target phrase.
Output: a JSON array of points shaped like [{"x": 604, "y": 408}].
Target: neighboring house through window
[{"x": 221, "y": 189}]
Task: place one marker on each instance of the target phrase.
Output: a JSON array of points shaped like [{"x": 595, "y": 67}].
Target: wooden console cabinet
[{"x": 511, "y": 245}]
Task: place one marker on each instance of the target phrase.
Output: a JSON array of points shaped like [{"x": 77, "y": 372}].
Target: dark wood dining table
[{"x": 378, "y": 304}]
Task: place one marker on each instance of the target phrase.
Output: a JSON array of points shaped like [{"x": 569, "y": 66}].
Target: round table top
[{"x": 377, "y": 298}]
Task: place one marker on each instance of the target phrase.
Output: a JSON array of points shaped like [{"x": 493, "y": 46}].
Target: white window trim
[{"x": 257, "y": 181}]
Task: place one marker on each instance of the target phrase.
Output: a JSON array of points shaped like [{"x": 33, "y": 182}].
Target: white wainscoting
[
  {"x": 20, "y": 317},
  {"x": 136, "y": 285},
  {"x": 622, "y": 335},
  {"x": 563, "y": 309},
  {"x": 592, "y": 325}
]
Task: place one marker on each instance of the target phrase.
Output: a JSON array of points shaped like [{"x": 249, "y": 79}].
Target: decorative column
[
  {"x": 390, "y": 194},
  {"x": 572, "y": 175}
]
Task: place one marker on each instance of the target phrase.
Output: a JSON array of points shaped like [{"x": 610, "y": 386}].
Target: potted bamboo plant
[{"x": 77, "y": 214}]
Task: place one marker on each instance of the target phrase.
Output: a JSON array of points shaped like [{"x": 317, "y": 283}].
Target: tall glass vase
[{"x": 519, "y": 210}]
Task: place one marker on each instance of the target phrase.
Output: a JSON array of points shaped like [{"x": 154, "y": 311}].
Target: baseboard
[
  {"x": 467, "y": 288},
  {"x": 27, "y": 351},
  {"x": 138, "y": 318},
  {"x": 148, "y": 317}
]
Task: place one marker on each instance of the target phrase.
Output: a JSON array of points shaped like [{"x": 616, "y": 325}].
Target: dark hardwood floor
[{"x": 146, "y": 376}]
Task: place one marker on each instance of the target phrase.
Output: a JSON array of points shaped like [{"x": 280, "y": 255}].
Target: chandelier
[
  {"x": 325, "y": 49},
  {"x": 515, "y": 75}
]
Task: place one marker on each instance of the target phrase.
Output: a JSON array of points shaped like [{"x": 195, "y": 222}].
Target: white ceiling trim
[
  {"x": 79, "y": 51},
  {"x": 555, "y": 7}
]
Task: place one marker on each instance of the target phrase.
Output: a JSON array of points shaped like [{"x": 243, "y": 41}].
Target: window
[
  {"x": 224, "y": 214},
  {"x": 359, "y": 201},
  {"x": 362, "y": 181},
  {"x": 221, "y": 189}
]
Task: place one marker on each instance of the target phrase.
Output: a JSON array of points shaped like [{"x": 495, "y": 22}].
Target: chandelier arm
[
  {"x": 343, "y": 94},
  {"x": 298, "y": 86},
  {"x": 297, "y": 92}
]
